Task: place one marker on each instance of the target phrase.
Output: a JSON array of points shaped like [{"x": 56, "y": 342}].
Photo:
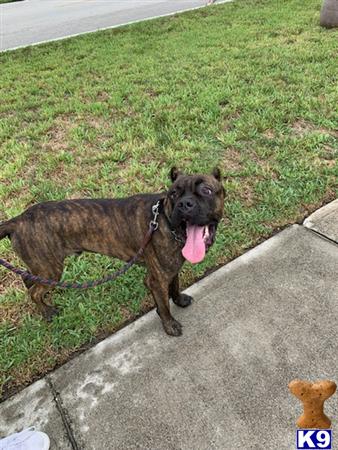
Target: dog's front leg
[
  {"x": 179, "y": 299},
  {"x": 159, "y": 287}
]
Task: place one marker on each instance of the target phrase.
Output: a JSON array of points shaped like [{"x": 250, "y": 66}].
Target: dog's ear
[
  {"x": 216, "y": 173},
  {"x": 174, "y": 173}
]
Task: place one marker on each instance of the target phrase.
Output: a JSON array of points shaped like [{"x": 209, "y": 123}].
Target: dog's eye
[
  {"x": 206, "y": 190},
  {"x": 173, "y": 193}
]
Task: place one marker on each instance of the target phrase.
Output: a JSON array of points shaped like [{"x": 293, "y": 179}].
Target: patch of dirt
[
  {"x": 269, "y": 134},
  {"x": 97, "y": 122},
  {"x": 7, "y": 115},
  {"x": 243, "y": 189},
  {"x": 265, "y": 164},
  {"x": 58, "y": 134},
  {"x": 14, "y": 312},
  {"x": 103, "y": 96},
  {"x": 88, "y": 156},
  {"x": 301, "y": 128},
  {"x": 329, "y": 152},
  {"x": 247, "y": 194},
  {"x": 151, "y": 93},
  {"x": 330, "y": 163},
  {"x": 232, "y": 161},
  {"x": 8, "y": 280},
  {"x": 57, "y": 142},
  {"x": 229, "y": 121}
]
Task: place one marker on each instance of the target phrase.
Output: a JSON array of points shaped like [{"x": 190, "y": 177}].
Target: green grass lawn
[{"x": 249, "y": 86}]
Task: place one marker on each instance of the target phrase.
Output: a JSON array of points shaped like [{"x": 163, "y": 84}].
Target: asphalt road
[{"x": 33, "y": 21}]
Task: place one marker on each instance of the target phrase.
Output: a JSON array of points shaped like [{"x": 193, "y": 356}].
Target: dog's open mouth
[{"x": 198, "y": 240}]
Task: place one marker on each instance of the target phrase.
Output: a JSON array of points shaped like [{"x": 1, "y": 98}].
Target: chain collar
[
  {"x": 177, "y": 238},
  {"x": 154, "y": 223}
]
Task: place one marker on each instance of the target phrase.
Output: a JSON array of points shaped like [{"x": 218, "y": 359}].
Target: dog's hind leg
[
  {"x": 44, "y": 263},
  {"x": 38, "y": 292}
]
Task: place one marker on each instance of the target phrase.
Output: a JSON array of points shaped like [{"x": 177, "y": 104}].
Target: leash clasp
[{"x": 155, "y": 210}]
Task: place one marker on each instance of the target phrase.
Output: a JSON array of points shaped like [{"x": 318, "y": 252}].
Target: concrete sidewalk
[{"x": 262, "y": 320}]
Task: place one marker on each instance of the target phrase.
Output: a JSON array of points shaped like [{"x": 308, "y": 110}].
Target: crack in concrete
[
  {"x": 64, "y": 415},
  {"x": 318, "y": 233}
]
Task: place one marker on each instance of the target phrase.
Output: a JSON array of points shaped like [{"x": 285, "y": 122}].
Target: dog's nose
[{"x": 186, "y": 205}]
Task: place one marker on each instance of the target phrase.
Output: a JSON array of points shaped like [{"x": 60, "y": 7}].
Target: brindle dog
[{"x": 46, "y": 233}]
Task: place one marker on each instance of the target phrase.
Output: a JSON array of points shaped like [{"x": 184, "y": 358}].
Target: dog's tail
[{"x": 6, "y": 228}]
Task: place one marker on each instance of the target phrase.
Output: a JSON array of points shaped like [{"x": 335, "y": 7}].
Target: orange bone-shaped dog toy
[{"x": 313, "y": 396}]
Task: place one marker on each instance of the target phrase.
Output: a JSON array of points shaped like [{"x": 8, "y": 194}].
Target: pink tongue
[{"x": 194, "y": 249}]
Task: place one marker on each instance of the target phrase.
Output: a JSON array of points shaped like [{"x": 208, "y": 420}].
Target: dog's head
[{"x": 194, "y": 206}]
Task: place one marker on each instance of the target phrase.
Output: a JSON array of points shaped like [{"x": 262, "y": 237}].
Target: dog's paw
[
  {"x": 183, "y": 300},
  {"x": 172, "y": 327},
  {"x": 49, "y": 312}
]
